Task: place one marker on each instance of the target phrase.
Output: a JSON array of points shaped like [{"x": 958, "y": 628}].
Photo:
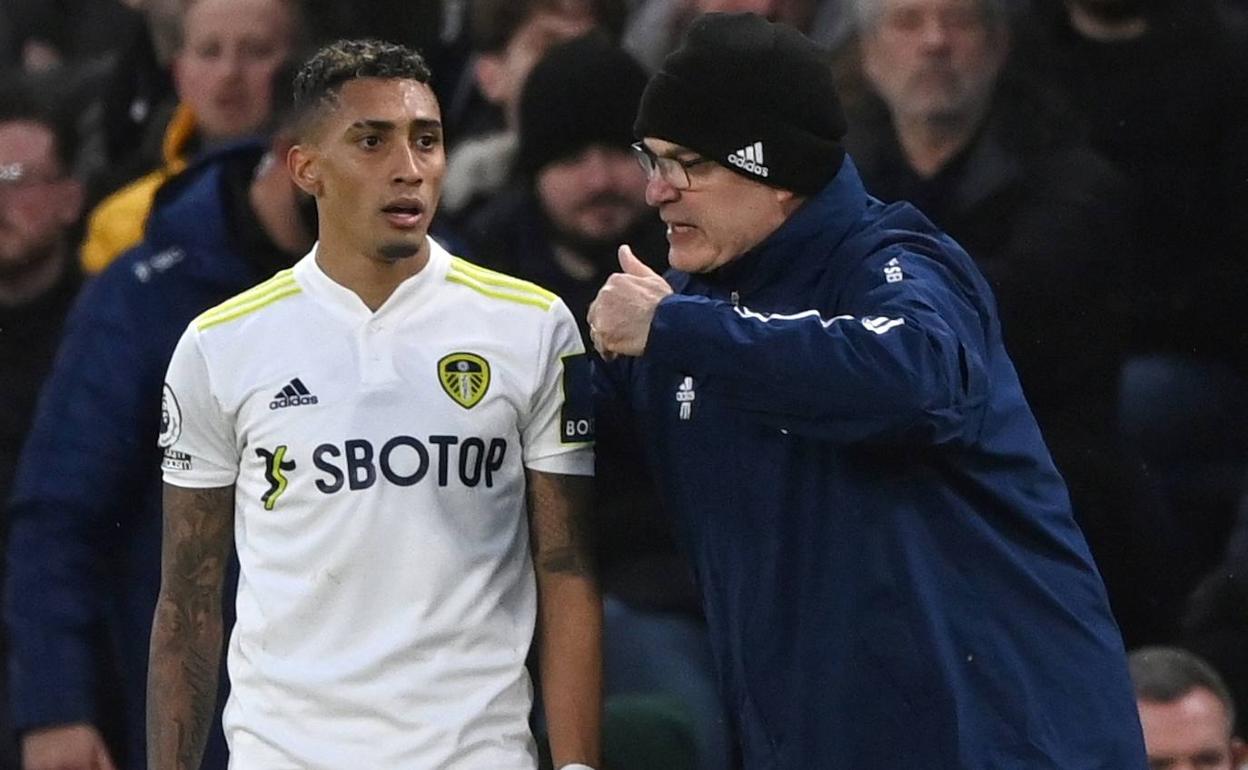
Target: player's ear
[
  {"x": 302, "y": 162},
  {"x": 787, "y": 200}
]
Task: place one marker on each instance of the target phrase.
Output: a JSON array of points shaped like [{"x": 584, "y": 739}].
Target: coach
[{"x": 887, "y": 557}]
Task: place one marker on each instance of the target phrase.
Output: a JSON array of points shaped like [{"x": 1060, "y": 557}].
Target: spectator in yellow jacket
[{"x": 223, "y": 72}]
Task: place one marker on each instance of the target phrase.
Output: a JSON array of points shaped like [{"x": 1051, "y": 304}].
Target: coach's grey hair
[
  {"x": 866, "y": 13},
  {"x": 1166, "y": 674}
]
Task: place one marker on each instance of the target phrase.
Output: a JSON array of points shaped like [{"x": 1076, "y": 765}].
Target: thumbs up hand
[
  {"x": 630, "y": 264},
  {"x": 619, "y": 318}
]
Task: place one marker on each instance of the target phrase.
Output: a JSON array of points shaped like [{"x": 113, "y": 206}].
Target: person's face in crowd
[
  {"x": 1191, "y": 733},
  {"x": 719, "y": 217},
  {"x": 375, "y": 164},
  {"x": 230, "y": 52},
  {"x": 501, "y": 74},
  {"x": 594, "y": 196},
  {"x": 38, "y": 202},
  {"x": 933, "y": 60}
]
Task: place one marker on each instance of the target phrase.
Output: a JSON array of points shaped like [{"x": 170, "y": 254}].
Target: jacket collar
[{"x": 179, "y": 135}]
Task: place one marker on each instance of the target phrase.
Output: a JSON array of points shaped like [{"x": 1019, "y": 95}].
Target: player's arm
[
  {"x": 569, "y": 636},
  {"x": 197, "y": 541}
]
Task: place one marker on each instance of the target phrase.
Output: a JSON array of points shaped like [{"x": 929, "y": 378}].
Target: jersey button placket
[{"x": 377, "y": 363}]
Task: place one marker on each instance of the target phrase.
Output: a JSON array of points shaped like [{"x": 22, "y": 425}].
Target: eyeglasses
[
  {"x": 674, "y": 171},
  {"x": 17, "y": 176}
]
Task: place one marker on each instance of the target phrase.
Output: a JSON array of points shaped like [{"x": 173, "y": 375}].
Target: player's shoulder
[
  {"x": 484, "y": 286},
  {"x": 260, "y": 299}
]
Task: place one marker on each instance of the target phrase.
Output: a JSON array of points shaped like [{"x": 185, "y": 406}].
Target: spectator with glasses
[
  {"x": 40, "y": 203},
  {"x": 889, "y": 566}
]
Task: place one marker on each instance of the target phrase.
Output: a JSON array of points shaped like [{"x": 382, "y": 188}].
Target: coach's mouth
[{"x": 679, "y": 229}]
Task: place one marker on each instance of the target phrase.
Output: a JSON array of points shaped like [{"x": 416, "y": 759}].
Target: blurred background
[{"x": 1091, "y": 155}]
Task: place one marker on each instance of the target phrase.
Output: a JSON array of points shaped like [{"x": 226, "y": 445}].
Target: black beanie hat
[
  {"x": 755, "y": 96},
  {"x": 582, "y": 92}
]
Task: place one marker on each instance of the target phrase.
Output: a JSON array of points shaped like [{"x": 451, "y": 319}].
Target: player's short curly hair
[{"x": 322, "y": 76}]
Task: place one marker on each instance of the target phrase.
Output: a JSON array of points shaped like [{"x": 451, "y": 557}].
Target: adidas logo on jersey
[
  {"x": 294, "y": 394},
  {"x": 750, "y": 158}
]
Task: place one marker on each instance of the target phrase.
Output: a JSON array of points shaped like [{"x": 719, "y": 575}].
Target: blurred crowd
[{"x": 1090, "y": 155}]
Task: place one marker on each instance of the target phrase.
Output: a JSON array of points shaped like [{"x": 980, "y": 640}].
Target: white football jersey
[{"x": 386, "y": 600}]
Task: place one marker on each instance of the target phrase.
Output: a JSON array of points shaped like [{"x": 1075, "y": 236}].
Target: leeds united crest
[{"x": 465, "y": 377}]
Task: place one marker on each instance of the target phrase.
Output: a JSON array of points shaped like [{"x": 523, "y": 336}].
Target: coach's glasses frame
[{"x": 674, "y": 171}]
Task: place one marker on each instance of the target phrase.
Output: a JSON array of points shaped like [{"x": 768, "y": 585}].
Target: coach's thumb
[{"x": 633, "y": 266}]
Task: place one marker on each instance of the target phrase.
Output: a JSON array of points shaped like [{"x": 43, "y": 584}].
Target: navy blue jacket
[
  {"x": 887, "y": 557},
  {"x": 84, "y": 555}
]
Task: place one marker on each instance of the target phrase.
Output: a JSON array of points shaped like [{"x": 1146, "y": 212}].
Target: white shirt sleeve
[
  {"x": 195, "y": 433},
  {"x": 558, "y": 432}
]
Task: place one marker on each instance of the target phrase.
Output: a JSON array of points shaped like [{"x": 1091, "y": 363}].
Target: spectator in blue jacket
[
  {"x": 84, "y": 550},
  {"x": 40, "y": 204},
  {"x": 889, "y": 566}
]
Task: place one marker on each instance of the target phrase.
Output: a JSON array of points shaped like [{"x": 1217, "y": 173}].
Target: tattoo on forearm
[
  {"x": 186, "y": 632},
  {"x": 560, "y": 528}
]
